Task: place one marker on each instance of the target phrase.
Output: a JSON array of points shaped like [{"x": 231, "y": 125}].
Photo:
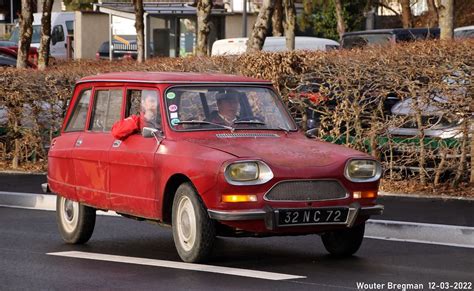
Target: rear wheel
[
  {"x": 75, "y": 221},
  {"x": 194, "y": 232},
  {"x": 345, "y": 242}
]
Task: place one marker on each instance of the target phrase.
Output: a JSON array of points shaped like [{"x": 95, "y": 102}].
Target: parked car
[
  {"x": 464, "y": 32},
  {"x": 259, "y": 176},
  {"x": 238, "y": 46},
  {"x": 364, "y": 38},
  {"x": 62, "y": 25},
  {"x": 119, "y": 50},
  {"x": 8, "y": 57}
]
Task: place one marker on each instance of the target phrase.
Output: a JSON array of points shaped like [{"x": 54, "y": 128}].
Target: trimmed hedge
[{"x": 347, "y": 93}]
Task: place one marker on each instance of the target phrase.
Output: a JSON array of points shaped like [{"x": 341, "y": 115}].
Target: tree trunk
[
  {"x": 446, "y": 19},
  {"x": 26, "y": 32},
  {"x": 290, "y": 23},
  {"x": 43, "y": 52},
  {"x": 204, "y": 8},
  {"x": 406, "y": 14},
  {"x": 277, "y": 19},
  {"x": 260, "y": 28},
  {"x": 140, "y": 27},
  {"x": 341, "y": 24},
  {"x": 432, "y": 14}
]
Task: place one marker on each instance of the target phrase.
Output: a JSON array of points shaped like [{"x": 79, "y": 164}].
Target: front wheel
[
  {"x": 75, "y": 221},
  {"x": 345, "y": 242},
  {"x": 193, "y": 231}
]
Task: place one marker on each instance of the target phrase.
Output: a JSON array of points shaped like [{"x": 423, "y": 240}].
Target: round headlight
[
  {"x": 363, "y": 170},
  {"x": 248, "y": 173}
]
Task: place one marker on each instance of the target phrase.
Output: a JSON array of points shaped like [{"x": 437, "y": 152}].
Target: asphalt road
[{"x": 26, "y": 236}]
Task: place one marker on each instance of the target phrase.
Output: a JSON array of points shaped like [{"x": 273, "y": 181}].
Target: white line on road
[{"x": 178, "y": 265}]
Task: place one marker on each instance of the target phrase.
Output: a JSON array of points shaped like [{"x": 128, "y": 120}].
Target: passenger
[
  {"x": 227, "y": 109},
  {"x": 148, "y": 117}
]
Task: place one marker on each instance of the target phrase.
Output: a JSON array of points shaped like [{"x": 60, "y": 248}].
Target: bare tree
[
  {"x": 26, "y": 32},
  {"x": 261, "y": 26},
  {"x": 43, "y": 53},
  {"x": 406, "y": 14},
  {"x": 290, "y": 23},
  {"x": 446, "y": 18},
  {"x": 432, "y": 14},
  {"x": 204, "y": 8},
  {"x": 140, "y": 28},
  {"x": 341, "y": 24},
  {"x": 277, "y": 19}
]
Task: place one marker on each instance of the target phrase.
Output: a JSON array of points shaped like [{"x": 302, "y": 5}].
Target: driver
[{"x": 227, "y": 108}]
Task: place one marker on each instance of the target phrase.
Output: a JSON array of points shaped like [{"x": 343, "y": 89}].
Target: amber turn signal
[
  {"x": 239, "y": 198},
  {"x": 364, "y": 194}
]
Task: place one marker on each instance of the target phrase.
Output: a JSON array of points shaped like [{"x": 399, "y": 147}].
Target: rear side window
[
  {"x": 107, "y": 109},
  {"x": 77, "y": 121}
]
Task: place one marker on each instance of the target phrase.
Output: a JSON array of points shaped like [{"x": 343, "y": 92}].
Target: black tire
[
  {"x": 194, "y": 232},
  {"x": 345, "y": 242},
  {"x": 75, "y": 221}
]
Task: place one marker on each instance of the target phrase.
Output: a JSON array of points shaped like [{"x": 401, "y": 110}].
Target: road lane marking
[{"x": 178, "y": 265}]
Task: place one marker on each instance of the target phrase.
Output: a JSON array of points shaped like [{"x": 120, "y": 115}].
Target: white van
[
  {"x": 62, "y": 25},
  {"x": 238, "y": 46}
]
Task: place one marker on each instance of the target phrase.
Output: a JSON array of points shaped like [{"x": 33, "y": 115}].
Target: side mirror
[{"x": 148, "y": 132}]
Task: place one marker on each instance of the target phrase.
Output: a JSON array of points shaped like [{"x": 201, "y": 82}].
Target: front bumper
[{"x": 268, "y": 214}]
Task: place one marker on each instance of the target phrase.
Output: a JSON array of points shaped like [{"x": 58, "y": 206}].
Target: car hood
[{"x": 285, "y": 151}]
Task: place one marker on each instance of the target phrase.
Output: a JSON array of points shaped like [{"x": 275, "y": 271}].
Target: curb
[
  {"x": 439, "y": 234},
  {"x": 421, "y": 196}
]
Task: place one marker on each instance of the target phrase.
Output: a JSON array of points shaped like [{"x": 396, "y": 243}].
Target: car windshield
[
  {"x": 226, "y": 108},
  {"x": 34, "y": 39},
  {"x": 362, "y": 40}
]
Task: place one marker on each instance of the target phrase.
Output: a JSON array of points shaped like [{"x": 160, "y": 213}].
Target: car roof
[
  {"x": 170, "y": 77},
  {"x": 392, "y": 30}
]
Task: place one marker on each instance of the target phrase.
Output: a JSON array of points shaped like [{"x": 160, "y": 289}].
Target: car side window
[
  {"x": 107, "y": 109},
  {"x": 77, "y": 121},
  {"x": 145, "y": 104},
  {"x": 58, "y": 31}
]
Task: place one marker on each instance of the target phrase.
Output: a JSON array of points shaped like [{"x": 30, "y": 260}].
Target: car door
[
  {"x": 132, "y": 164},
  {"x": 61, "y": 175},
  {"x": 91, "y": 151}
]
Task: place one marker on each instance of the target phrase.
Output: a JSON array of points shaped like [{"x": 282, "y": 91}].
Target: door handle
[
  {"x": 116, "y": 143},
  {"x": 78, "y": 142}
]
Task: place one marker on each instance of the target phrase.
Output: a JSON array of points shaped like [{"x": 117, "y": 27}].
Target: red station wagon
[{"x": 223, "y": 158}]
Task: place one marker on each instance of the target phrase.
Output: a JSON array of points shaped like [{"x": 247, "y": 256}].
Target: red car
[
  {"x": 224, "y": 159},
  {"x": 8, "y": 56}
]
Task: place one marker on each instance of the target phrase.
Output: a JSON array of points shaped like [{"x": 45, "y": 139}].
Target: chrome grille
[
  {"x": 235, "y": 135},
  {"x": 306, "y": 190}
]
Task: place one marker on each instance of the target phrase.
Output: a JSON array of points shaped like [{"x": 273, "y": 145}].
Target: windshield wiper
[
  {"x": 249, "y": 122},
  {"x": 206, "y": 122}
]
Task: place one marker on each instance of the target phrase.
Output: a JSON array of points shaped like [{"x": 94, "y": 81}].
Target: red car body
[{"x": 138, "y": 177}]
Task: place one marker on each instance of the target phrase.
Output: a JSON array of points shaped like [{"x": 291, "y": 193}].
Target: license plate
[{"x": 312, "y": 216}]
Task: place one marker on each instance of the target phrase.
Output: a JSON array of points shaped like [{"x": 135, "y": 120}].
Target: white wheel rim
[
  {"x": 186, "y": 223},
  {"x": 69, "y": 213}
]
